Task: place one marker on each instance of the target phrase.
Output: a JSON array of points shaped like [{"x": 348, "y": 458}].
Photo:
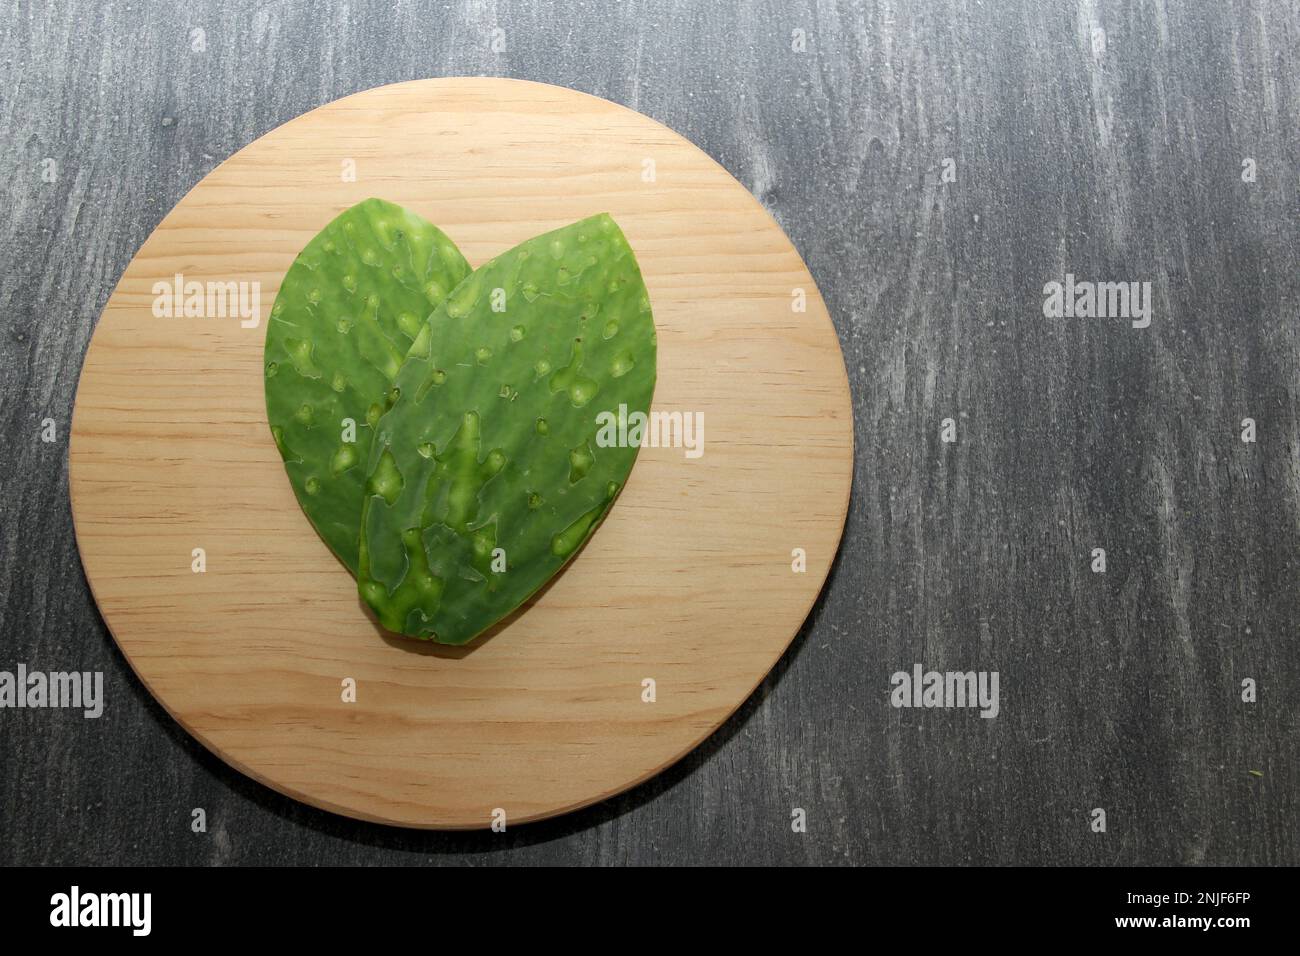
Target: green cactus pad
[
  {"x": 345, "y": 318},
  {"x": 491, "y": 469}
]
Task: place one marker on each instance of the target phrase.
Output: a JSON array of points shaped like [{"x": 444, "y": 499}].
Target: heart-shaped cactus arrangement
[{"x": 442, "y": 428}]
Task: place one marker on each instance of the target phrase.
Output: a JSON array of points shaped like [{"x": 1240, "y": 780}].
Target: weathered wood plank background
[{"x": 1107, "y": 140}]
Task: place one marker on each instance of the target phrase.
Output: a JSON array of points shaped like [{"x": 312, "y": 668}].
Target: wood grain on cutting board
[{"x": 688, "y": 583}]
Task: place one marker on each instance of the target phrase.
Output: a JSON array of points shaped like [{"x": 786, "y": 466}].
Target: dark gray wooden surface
[{"x": 1115, "y": 156}]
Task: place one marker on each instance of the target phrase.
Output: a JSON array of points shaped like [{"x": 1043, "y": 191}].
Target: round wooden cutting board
[{"x": 690, "y": 583}]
